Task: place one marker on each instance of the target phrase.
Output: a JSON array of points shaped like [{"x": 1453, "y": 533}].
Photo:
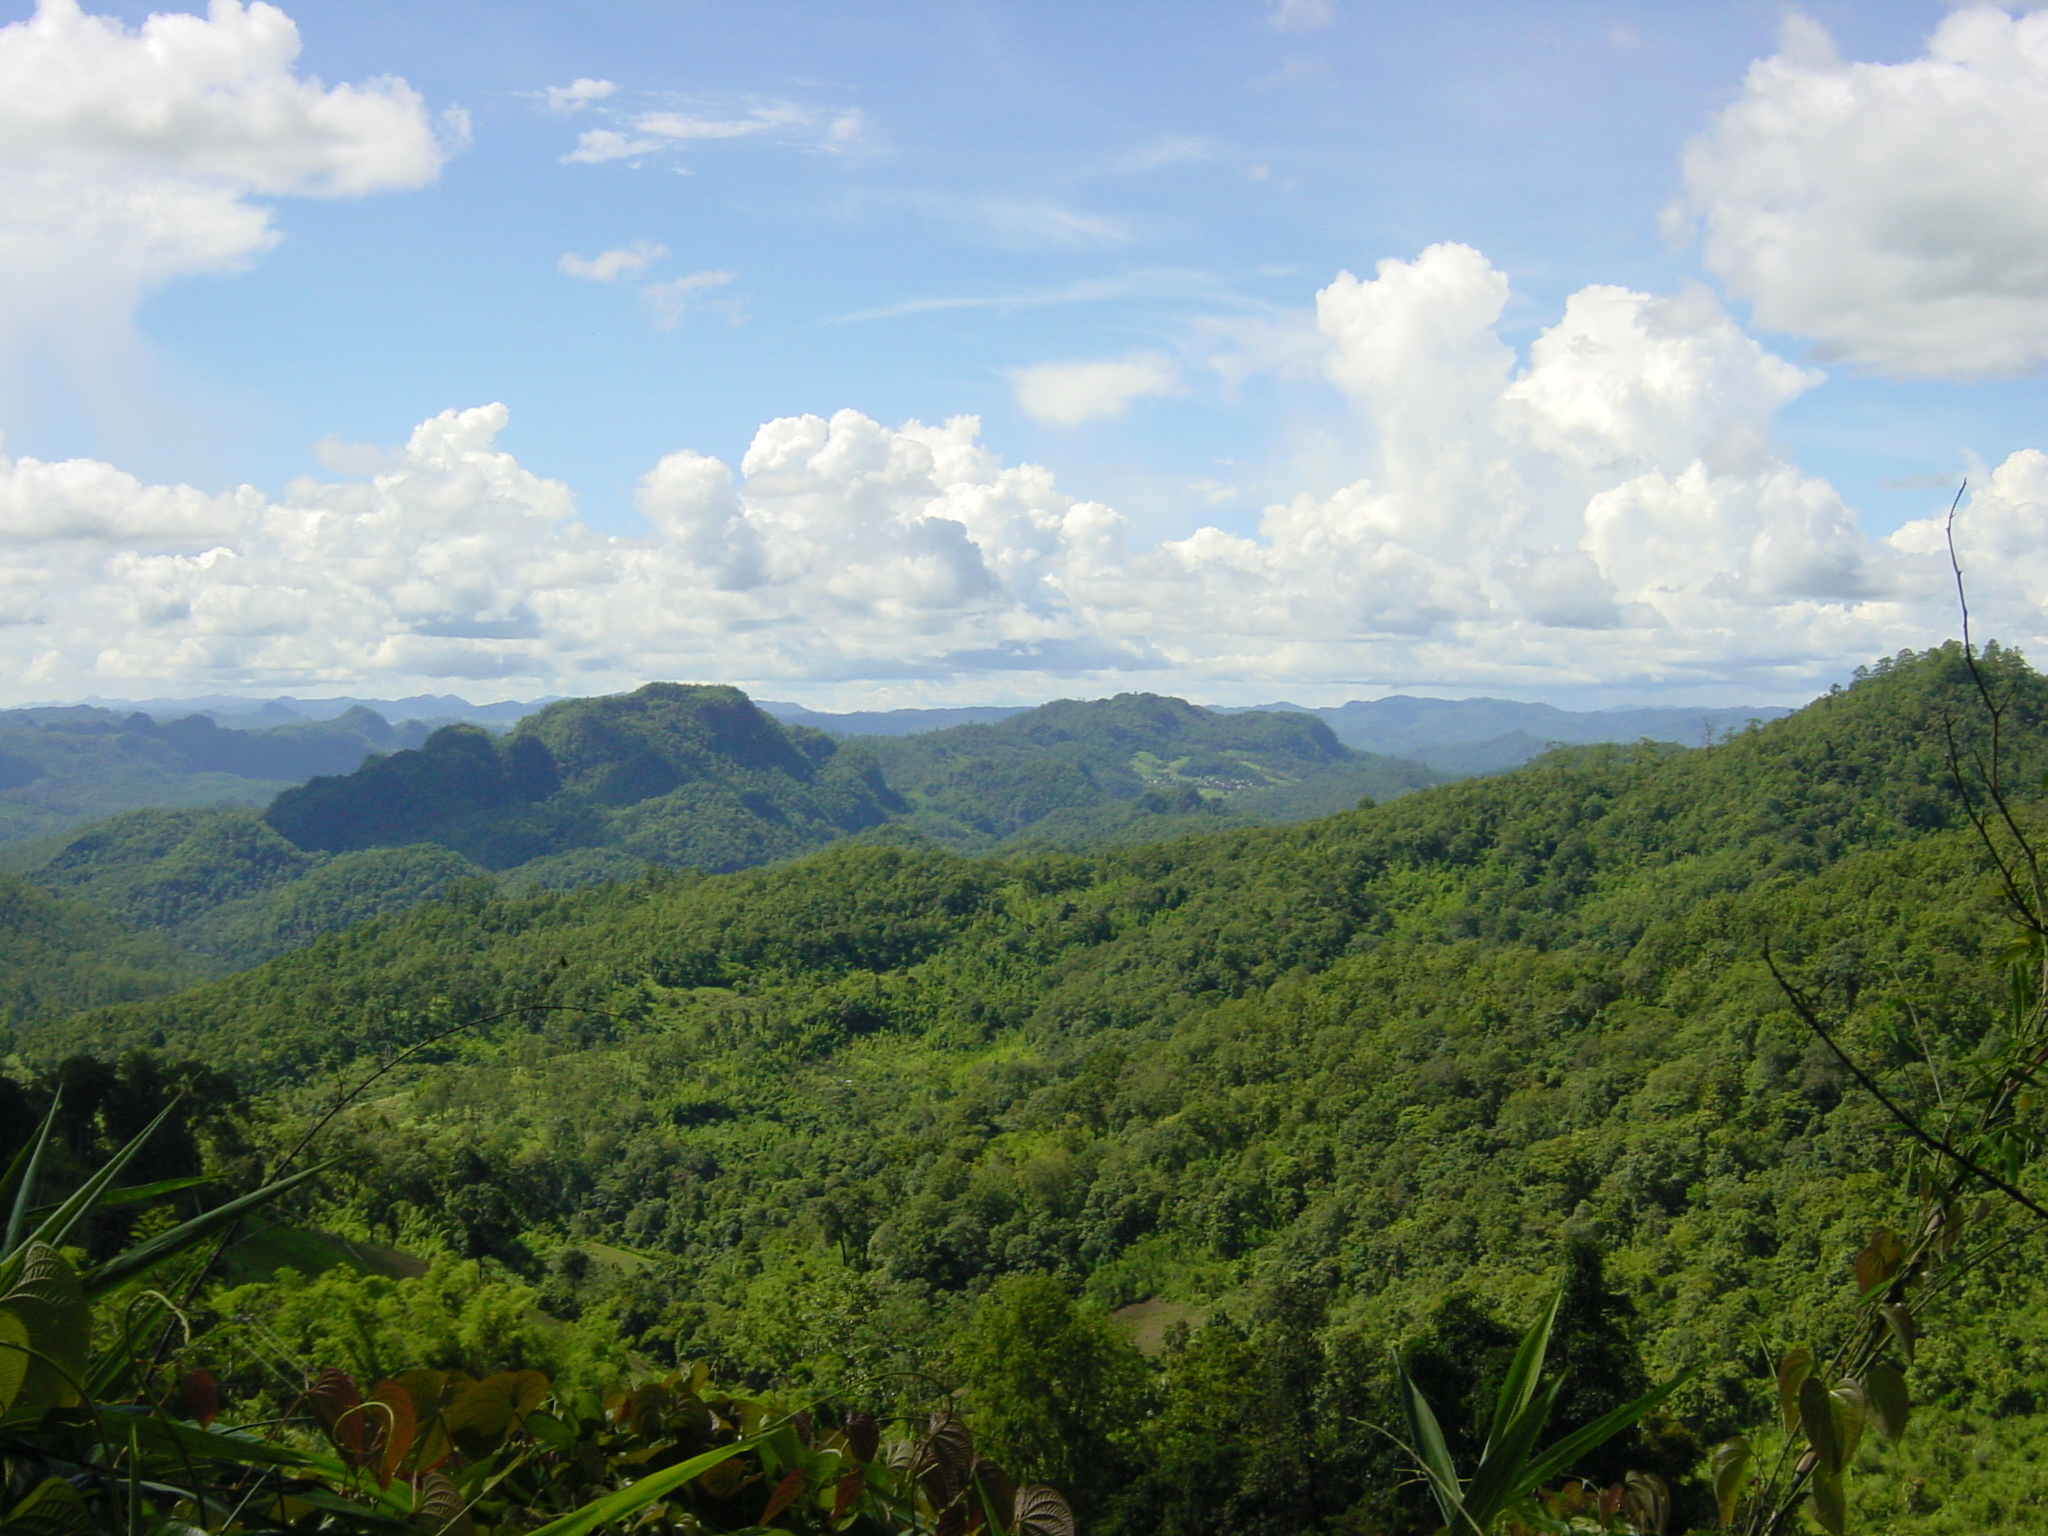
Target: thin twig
[{"x": 1926, "y": 1138}]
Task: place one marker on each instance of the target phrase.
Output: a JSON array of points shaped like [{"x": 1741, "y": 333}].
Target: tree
[{"x": 1053, "y": 1387}]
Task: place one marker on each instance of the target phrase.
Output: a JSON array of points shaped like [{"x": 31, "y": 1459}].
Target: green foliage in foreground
[
  {"x": 101, "y": 1428},
  {"x": 1328, "y": 1089}
]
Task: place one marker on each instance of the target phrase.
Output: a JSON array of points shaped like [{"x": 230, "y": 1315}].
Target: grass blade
[
  {"x": 615, "y": 1506},
  {"x": 20, "y": 1179},
  {"x": 1523, "y": 1373},
  {"x": 144, "y": 1257},
  {"x": 1434, "y": 1453},
  {"x": 1499, "y": 1480},
  {"x": 1595, "y": 1434}
]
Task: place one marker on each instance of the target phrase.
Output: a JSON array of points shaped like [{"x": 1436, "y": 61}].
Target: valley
[{"x": 1036, "y": 1003}]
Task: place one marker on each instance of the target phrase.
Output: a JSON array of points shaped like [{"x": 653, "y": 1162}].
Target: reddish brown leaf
[
  {"x": 440, "y": 1508},
  {"x": 201, "y": 1394},
  {"x": 943, "y": 1460},
  {"x": 863, "y": 1435},
  {"x": 1042, "y": 1512},
  {"x": 850, "y": 1488},
  {"x": 400, "y": 1427},
  {"x": 785, "y": 1491},
  {"x": 337, "y": 1404}
]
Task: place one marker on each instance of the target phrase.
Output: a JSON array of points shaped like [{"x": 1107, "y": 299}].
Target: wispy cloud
[
  {"x": 1069, "y": 394},
  {"x": 608, "y": 266},
  {"x": 1035, "y": 224},
  {"x": 1088, "y": 291},
  {"x": 577, "y": 95},
  {"x": 1167, "y": 149},
  {"x": 634, "y": 134},
  {"x": 1214, "y": 492},
  {"x": 1167, "y": 283},
  {"x": 689, "y": 125},
  {"x": 597, "y": 145},
  {"x": 1300, "y": 15},
  {"x": 675, "y": 298}
]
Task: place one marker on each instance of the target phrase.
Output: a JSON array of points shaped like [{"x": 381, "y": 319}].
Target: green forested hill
[
  {"x": 1330, "y": 1087},
  {"x": 165, "y": 898},
  {"x": 58, "y": 956},
  {"x": 671, "y": 774}
]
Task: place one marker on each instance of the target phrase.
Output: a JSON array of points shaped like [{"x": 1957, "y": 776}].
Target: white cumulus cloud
[
  {"x": 1071, "y": 393},
  {"x": 130, "y": 156},
  {"x": 1605, "y": 508},
  {"x": 1895, "y": 213}
]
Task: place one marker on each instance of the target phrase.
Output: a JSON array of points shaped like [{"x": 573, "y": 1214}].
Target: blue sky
[{"x": 1102, "y": 232}]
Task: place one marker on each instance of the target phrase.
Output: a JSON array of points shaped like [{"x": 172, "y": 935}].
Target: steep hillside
[{"x": 222, "y": 891}]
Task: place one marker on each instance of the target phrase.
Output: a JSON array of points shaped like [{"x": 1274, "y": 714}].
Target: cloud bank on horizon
[{"x": 1605, "y": 508}]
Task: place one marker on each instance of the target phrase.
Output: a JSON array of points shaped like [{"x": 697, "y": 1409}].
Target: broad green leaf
[
  {"x": 52, "y": 1508},
  {"x": 14, "y": 1358},
  {"x": 52, "y": 1308},
  {"x": 1851, "y": 1412},
  {"x": 1890, "y": 1403},
  {"x": 1905, "y": 1328},
  {"x": 1792, "y": 1371},
  {"x": 1830, "y": 1500},
  {"x": 1879, "y": 1260},
  {"x": 1817, "y": 1420},
  {"x": 491, "y": 1409},
  {"x": 1731, "y": 1465},
  {"x": 616, "y": 1506}
]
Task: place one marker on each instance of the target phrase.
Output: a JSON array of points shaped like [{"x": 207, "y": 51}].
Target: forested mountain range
[
  {"x": 589, "y": 789},
  {"x": 1466, "y": 736},
  {"x": 1454, "y": 736},
  {"x": 61, "y": 767},
  {"x": 1315, "y": 1093}
]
